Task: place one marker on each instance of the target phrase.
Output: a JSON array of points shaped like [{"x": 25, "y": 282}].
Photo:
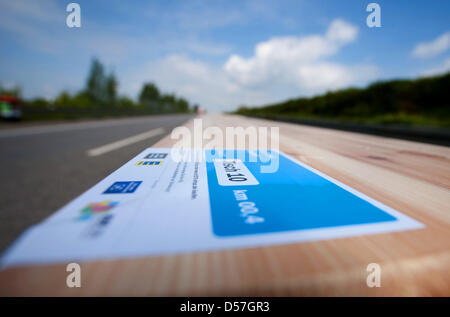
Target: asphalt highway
[{"x": 43, "y": 167}]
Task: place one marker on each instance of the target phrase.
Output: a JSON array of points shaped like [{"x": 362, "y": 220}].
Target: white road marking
[{"x": 124, "y": 142}]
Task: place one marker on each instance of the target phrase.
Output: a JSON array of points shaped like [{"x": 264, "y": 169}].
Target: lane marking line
[{"x": 124, "y": 142}]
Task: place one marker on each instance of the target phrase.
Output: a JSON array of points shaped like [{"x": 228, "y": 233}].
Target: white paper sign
[{"x": 154, "y": 205}]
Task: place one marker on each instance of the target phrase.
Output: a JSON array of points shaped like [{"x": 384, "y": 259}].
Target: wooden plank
[{"x": 413, "y": 178}]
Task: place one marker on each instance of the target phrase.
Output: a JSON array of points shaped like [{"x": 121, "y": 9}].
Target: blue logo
[
  {"x": 148, "y": 163},
  {"x": 156, "y": 156},
  {"x": 123, "y": 187}
]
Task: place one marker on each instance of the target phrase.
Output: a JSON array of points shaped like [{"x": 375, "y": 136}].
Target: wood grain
[{"x": 413, "y": 178}]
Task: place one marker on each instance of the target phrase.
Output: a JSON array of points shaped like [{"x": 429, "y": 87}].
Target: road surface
[
  {"x": 410, "y": 177},
  {"x": 44, "y": 167}
]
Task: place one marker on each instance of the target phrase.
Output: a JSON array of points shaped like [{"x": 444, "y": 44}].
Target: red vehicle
[{"x": 10, "y": 107}]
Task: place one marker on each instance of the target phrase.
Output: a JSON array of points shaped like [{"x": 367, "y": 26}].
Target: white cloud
[
  {"x": 433, "y": 48},
  {"x": 443, "y": 68},
  {"x": 297, "y": 60},
  {"x": 195, "y": 80},
  {"x": 341, "y": 32},
  {"x": 281, "y": 68}
]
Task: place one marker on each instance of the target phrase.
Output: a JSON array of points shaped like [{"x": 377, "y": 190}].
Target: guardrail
[
  {"x": 439, "y": 136},
  {"x": 35, "y": 113}
]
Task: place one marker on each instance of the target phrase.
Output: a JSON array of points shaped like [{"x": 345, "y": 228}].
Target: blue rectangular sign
[
  {"x": 292, "y": 198},
  {"x": 123, "y": 187}
]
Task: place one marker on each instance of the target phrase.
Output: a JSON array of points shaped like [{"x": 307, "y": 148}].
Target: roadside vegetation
[
  {"x": 99, "y": 98},
  {"x": 418, "y": 102}
]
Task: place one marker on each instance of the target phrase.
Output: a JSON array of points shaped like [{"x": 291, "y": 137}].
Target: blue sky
[{"x": 221, "y": 54}]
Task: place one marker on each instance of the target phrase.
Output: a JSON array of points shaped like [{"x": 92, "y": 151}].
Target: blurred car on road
[{"x": 10, "y": 107}]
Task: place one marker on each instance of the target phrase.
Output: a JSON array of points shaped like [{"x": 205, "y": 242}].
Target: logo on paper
[
  {"x": 99, "y": 226},
  {"x": 97, "y": 208},
  {"x": 123, "y": 187},
  {"x": 157, "y": 156},
  {"x": 149, "y": 163}
]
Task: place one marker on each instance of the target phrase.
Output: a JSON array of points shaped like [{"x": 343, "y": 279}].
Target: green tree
[
  {"x": 95, "y": 85},
  {"x": 182, "y": 105},
  {"x": 111, "y": 89},
  {"x": 100, "y": 87},
  {"x": 82, "y": 100},
  {"x": 63, "y": 100},
  {"x": 14, "y": 91},
  {"x": 126, "y": 103},
  {"x": 38, "y": 103},
  {"x": 150, "y": 97},
  {"x": 168, "y": 103}
]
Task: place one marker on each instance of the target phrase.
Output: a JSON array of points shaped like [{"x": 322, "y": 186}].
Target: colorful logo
[
  {"x": 97, "y": 209},
  {"x": 148, "y": 163},
  {"x": 159, "y": 156},
  {"x": 123, "y": 187}
]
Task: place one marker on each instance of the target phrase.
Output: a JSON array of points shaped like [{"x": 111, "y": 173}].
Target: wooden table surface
[{"x": 413, "y": 178}]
